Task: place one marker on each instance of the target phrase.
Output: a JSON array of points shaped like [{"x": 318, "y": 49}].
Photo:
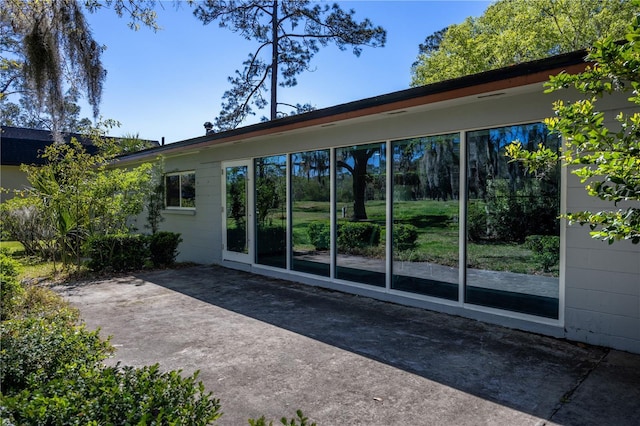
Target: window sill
[{"x": 178, "y": 211}]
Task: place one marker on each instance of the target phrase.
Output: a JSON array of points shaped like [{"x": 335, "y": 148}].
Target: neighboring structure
[
  {"x": 336, "y": 197},
  {"x": 20, "y": 145}
]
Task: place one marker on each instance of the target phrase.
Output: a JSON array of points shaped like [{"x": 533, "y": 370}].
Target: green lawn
[{"x": 32, "y": 266}]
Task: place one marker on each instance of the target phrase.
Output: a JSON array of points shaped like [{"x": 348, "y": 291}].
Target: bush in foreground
[{"x": 51, "y": 371}]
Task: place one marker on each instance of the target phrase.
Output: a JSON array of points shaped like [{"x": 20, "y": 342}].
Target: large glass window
[
  {"x": 512, "y": 224},
  {"x": 271, "y": 210},
  {"x": 361, "y": 213},
  {"x": 310, "y": 210},
  {"x": 426, "y": 182},
  {"x": 180, "y": 189}
]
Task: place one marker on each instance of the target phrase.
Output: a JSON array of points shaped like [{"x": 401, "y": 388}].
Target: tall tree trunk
[{"x": 274, "y": 61}]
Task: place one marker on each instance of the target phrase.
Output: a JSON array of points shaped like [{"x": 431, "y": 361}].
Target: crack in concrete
[{"x": 566, "y": 398}]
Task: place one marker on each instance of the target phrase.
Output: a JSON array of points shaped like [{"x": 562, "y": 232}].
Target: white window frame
[{"x": 180, "y": 174}]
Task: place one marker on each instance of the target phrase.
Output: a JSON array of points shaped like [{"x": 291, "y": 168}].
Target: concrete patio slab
[{"x": 270, "y": 347}]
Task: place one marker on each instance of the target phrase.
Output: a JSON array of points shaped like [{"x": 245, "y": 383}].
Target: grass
[{"x": 33, "y": 267}]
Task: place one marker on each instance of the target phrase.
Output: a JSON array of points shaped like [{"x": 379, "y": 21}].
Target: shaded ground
[{"x": 266, "y": 346}]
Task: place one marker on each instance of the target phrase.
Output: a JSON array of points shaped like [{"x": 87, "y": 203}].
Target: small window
[{"x": 180, "y": 190}]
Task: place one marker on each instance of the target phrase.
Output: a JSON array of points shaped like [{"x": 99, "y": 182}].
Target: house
[
  {"x": 20, "y": 145},
  {"x": 407, "y": 197}
]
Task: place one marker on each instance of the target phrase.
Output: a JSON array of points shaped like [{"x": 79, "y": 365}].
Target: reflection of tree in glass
[
  {"x": 236, "y": 195},
  {"x": 355, "y": 161},
  {"x": 270, "y": 187},
  {"x": 428, "y": 168},
  {"x": 516, "y": 204}
]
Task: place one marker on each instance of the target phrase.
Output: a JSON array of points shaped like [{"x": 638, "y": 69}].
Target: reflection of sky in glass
[
  {"x": 234, "y": 173},
  {"x": 528, "y": 133}
]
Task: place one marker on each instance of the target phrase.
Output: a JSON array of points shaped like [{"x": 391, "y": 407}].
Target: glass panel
[
  {"x": 173, "y": 190},
  {"x": 512, "y": 224},
  {"x": 236, "y": 209},
  {"x": 426, "y": 182},
  {"x": 188, "y": 186},
  {"x": 361, "y": 211},
  {"x": 271, "y": 210},
  {"x": 310, "y": 201}
]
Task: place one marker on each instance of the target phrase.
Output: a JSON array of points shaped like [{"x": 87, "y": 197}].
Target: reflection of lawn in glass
[
  {"x": 304, "y": 213},
  {"x": 437, "y": 235}
]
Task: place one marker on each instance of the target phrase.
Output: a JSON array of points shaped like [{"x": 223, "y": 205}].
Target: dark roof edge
[{"x": 517, "y": 70}]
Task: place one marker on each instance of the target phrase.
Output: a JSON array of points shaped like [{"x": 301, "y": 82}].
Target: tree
[
  {"x": 606, "y": 158},
  {"x": 74, "y": 196},
  {"x": 289, "y": 33},
  {"x": 28, "y": 113},
  {"x": 514, "y": 31},
  {"x": 47, "y": 45}
]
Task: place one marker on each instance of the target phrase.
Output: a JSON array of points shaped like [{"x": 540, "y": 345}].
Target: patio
[{"x": 270, "y": 347}]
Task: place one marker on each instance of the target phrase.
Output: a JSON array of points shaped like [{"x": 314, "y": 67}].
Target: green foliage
[
  {"x": 75, "y": 196},
  {"x": 122, "y": 252},
  {"x": 268, "y": 197},
  {"x": 515, "y": 31},
  {"x": 10, "y": 289},
  {"x": 545, "y": 248},
  {"x": 23, "y": 219},
  {"x": 607, "y": 159},
  {"x": 512, "y": 215},
  {"x": 319, "y": 234},
  {"x": 37, "y": 350},
  {"x": 163, "y": 248},
  {"x": 155, "y": 197},
  {"x": 404, "y": 236},
  {"x": 476, "y": 221},
  {"x": 52, "y": 373},
  {"x": 115, "y": 395},
  {"x": 356, "y": 235},
  {"x": 41, "y": 302},
  {"x": 300, "y": 420}
]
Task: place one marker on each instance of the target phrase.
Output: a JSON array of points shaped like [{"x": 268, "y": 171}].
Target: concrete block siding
[{"x": 602, "y": 282}]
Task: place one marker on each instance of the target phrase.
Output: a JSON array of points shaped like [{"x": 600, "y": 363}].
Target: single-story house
[
  {"x": 407, "y": 197},
  {"x": 20, "y": 145}
]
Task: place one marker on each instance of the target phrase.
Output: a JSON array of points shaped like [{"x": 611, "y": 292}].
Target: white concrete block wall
[{"x": 602, "y": 282}]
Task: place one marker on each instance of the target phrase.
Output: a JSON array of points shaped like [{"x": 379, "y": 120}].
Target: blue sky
[{"x": 168, "y": 83}]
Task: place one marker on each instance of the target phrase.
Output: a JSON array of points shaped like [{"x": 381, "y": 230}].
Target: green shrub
[
  {"x": 545, "y": 249},
  {"x": 476, "y": 221},
  {"x": 513, "y": 214},
  {"x": 319, "y": 235},
  {"x": 356, "y": 235},
  {"x": 117, "y": 252},
  {"x": 114, "y": 395},
  {"x": 11, "y": 291},
  {"x": 37, "y": 350},
  {"x": 404, "y": 236},
  {"x": 163, "y": 248},
  {"x": 301, "y": 420},
  {"x": 24, "y": 220}
]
